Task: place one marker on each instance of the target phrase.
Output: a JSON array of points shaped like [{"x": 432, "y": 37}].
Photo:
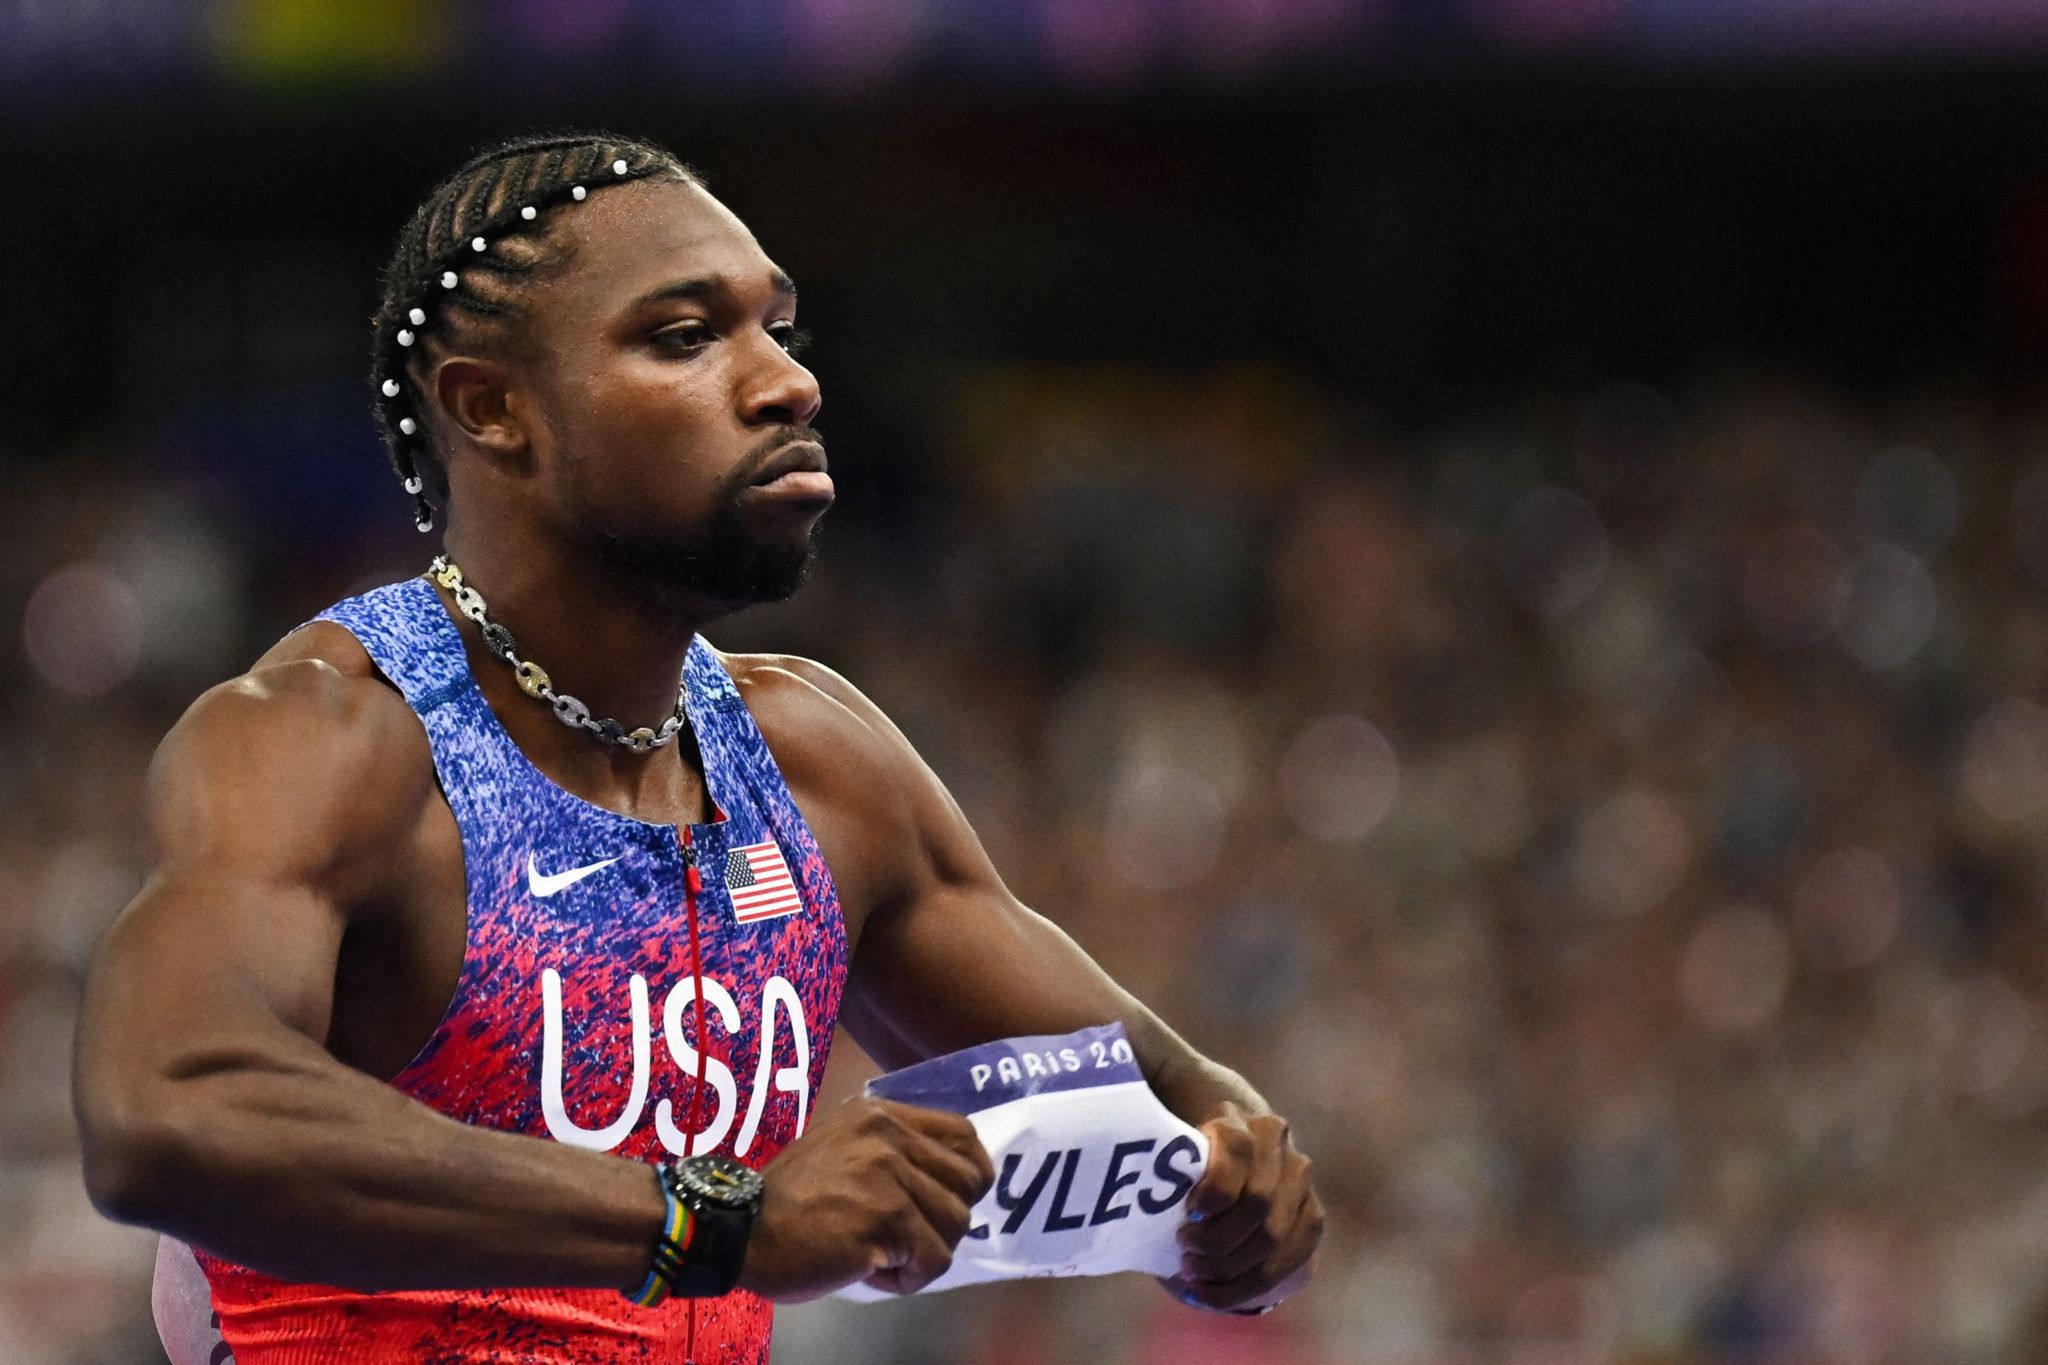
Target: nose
[{"x": 780, "y": 390}]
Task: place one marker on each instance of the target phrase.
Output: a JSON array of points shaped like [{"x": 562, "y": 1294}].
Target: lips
[{"x": 798, "y": 457}]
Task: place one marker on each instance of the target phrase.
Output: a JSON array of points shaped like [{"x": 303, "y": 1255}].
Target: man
[{"x": 457, "y": 867}]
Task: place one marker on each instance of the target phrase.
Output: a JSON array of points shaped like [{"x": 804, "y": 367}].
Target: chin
[
  {"x": 773, "y": 578},
  {"x": 746, "y": 568},
  {"x": 729, "y": 566}
]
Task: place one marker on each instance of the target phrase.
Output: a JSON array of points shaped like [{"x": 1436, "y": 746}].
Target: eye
[
  {"x": 685, "y": 336},
  {"x": 790, "y": 337}
]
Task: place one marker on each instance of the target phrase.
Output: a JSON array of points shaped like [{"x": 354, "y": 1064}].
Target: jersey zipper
[{"x": 693, "y": 886}]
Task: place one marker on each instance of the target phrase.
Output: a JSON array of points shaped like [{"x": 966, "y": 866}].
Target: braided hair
[{"x": 463, "y": 263}]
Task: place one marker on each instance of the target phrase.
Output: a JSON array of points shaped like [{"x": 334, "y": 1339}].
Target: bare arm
[
  {"x": 1008, "y": 970},
  {"x": 948, "y": 958},
  {"x": 208, "y": 1105}
]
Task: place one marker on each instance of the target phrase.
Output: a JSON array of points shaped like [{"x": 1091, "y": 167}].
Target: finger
[
  {"x": 1225, "y": 1230},
  {"x": 936, "y": 1205},
  {"x": 965, "y": 1144},
  {"x": 1278, "y": 1278},
  {"x": 954, "y": 1133},
  {"x": 922, "y": 1259},
  {"x": 952, "y": 1129},
  {"x": 902, "y": 1125},
  {"x": 1257, "y": 1249},
  {"x": 969, "y": 1146},
  {"x": 1249, "y": 1291},
  {"x": 1224, "y": 1237},
  {"x": 928, "y": 1232},
  {"x": 1230, "y": 1164},
  {"x": 952, "y": 1168}
]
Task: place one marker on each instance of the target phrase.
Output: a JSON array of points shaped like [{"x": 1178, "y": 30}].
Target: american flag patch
[{"x": 759, "y": 882}]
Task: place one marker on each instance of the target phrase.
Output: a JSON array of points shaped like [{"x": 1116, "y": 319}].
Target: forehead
[{"x": 634, "y": 237}]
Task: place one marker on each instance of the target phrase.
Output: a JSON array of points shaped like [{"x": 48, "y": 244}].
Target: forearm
[
  {"x": 304, "y": 1169},
  {"x": 1188, "y": 1083}
]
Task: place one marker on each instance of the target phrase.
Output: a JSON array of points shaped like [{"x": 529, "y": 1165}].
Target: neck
[{"x": 615, "y": 644}]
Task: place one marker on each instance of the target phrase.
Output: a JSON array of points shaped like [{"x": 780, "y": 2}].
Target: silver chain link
[{"x": 533, "y": 679}]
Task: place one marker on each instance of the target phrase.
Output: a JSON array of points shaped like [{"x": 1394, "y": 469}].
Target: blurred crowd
[{"x": 1610, "y": 828}]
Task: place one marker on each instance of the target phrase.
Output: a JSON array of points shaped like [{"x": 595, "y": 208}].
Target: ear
[{"x": 476, "y": 395}]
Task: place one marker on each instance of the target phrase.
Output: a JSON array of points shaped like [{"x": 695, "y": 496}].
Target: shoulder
[
  {"x": 315, "y": 689},
  {"x": 310, "y": 749},
  {"x": 801, "y": 703},
  {"x": 807, "y": 691},
  {"x": 825, "y": 732}
]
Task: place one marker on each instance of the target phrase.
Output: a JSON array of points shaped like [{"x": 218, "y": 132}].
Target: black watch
[{"x": 723, "y": 1197}]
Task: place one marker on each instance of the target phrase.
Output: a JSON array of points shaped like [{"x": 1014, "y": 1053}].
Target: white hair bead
[
  {"x": 407, "y": 425},
  {"x": 447, "y": 279},
  {"x": 418, "y": 317},
  {"x": 391, "y": 388},
  {"x": 529, "y": 213},
  {"x": 413, "y": 484},
  {"x": 619, "y": 166},
  {"x": 477, "y": 244},
  {"x": 404, "y": 337},
  {"x": 578, "y": 193}
]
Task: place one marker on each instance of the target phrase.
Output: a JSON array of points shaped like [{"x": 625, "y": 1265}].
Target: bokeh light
[
  {"x": 1339, "y": 778},
  {"x": 1998, "y": 1046},
  {"x": 1164, "y": 825},
  {"x": 1847, "y": 909},
  {"x": 1887, "y": 607},
  {"x": 83, "y": 630},
  {"x": 1630, "y": 852},
  {"x": 1736, "y": 969},
  {"x": 2005, "y": 762}
]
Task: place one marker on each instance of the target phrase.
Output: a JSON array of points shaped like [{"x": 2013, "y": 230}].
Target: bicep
[
  {"x": 964, "y": 963},
  {"x": 257, "y": 812},
  {"x": 947, "y": 957},
  {"x": 954, "y": 959}
]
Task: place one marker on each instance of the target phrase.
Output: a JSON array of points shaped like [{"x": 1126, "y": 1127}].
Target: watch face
[{"x": 719, "y": 1180}]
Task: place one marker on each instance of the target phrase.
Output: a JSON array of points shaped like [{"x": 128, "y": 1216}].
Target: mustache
[{"x": 750, "y": 463}]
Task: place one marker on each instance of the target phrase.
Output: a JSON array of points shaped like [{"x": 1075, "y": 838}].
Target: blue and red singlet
[{"x": 576, "y": 1015}]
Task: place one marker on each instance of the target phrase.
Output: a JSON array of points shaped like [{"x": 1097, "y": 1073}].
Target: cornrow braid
[{"x": 463, "y": 262}]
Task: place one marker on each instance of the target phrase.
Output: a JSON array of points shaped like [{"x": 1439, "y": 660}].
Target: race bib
[{"x": 1092, "y": 1171}]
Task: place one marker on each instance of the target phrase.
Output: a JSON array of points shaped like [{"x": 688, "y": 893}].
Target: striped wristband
[{"x": 676, "y": 1228}]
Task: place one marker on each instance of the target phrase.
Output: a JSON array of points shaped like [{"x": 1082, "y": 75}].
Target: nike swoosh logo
[{"x": 542, "y": 884}]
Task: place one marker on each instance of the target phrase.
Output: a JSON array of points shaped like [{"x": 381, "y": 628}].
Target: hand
[
  {"x": 1253, "y": 1222},
  {"x": 876, "y": 1191}
]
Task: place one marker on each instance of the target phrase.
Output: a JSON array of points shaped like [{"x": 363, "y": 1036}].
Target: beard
[
  {"x": 730, "y": 562},
  {"x": 723, "y": 559}
]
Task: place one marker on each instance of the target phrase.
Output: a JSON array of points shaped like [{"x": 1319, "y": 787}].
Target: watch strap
[
  {"x": 678, "y": 1230},
  {"x": 717, "y": 1246}
]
